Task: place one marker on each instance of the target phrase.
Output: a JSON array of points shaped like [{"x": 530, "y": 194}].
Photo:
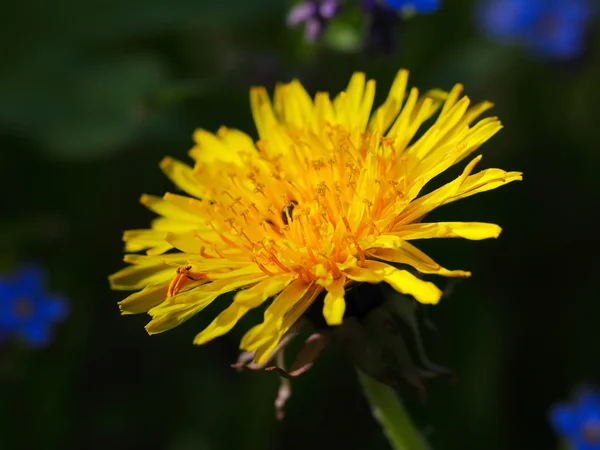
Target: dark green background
[{"x": 94, "y": 93}]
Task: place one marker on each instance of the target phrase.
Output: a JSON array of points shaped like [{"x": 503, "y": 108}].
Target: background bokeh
[{"x": 93, "y": 94}]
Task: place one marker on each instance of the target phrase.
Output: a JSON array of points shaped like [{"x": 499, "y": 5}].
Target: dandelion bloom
[{"x": 328, "y": 196}]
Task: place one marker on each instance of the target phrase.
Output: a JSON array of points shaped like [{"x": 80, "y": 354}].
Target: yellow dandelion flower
[{"x": 328, "y": 196}]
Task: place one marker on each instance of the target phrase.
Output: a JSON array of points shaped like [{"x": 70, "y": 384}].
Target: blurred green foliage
[{"x": 95, "y": 93}]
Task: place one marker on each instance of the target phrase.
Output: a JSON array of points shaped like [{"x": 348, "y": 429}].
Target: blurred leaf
[
  {"x": 343, "y": 37},
  {"x": 65, "y": 23},
  {"x": 346, "y": 32},
  {"x": 83, "y": 106},
  {"x": 87, "y": 108},
  {"x": 174, "y": 93},
  {"x": 189, "y": 440},
  {"x": 102, "y": 107},
  {"x": 475, "y": 64}
]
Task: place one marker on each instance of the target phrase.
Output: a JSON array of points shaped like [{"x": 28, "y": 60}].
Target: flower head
[
  {"x": 328, "y": 197},
  {"x": 579, "y": 422},
  {"x": 26, "y": 310},
  {"x": 549, "y": 28}
]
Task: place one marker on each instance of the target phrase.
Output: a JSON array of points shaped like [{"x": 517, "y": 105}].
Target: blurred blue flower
[
  {"x": 26, "y": 310},
  {"x": 314, "y": 15},
  {"x": 578, "y": 423},
  {"x": 416, "y": 6},
  {"x": 554, "y": 29}
]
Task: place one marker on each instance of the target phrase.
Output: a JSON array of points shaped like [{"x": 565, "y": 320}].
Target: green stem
[{"x": 390, "y": 412}]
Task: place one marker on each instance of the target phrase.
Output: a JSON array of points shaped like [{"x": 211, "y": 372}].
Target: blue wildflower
[
  {"x": 414, "y": 6},
  {"x": 579, "y": 423},
  {"x": 553, "y": 29},
  {"x": 26, "y": 310}
]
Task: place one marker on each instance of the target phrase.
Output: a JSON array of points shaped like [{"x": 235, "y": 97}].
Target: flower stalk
[{"x": 390, "y": 413}]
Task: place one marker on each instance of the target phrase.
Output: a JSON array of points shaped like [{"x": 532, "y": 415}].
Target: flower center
[
  {"x": 306, "y": 210},
  {"x": 23, "y": 308}
]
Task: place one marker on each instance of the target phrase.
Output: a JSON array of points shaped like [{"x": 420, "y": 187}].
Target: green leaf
[{"x": 101, "y": 109}]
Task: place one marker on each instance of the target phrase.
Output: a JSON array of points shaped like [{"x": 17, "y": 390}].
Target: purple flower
[
  {"x": 314, "y": 15},
  {"x": 553, "y": 29},
  {"x": 26, "y": 310},
  {"x": 578, "y": 423}
]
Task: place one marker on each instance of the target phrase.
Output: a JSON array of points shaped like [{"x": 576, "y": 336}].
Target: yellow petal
[
  {"x": 323, "y": 109},
  {"x": 366, "y": 104},
  {"x": 243, "y": 302},
  {"x": 355, "y": 89},
  {"x": 292, "y": 104},
  {"x": 274, "y": 314},
  {"x": 452, "y": 98},
  {"x": 421, "y": 206},
  {"x": 172, "y": 259},
  {"x": 137, "y": 240},
  {"x": 248, "y": 269},
  {"x": 477, "y": 136},
  {"x": 484, "y": 181},
  {"x": 443, "y": 126},
  {"x": 165, "y": 225},
  {"x": 145, "y": 299},
  {"x": 406, "y": 283},
  {"x": 159, "y": 249},
  {"x": 299, "y": 308},
  {"x": 173, "y": 318},
  {"x": 437, "y": 97},
  {"x": 401, "y": 280},
  {"x": 405, "y": 253},
  {"x": 463, "y": 186},
  {"x": 466, "y": 230},
  {"x": 404, "y": 118},
  {"x": 419, "y": 115},
  {"x": 384, "y": 115},
  {"x": 237, "y": 141},
  {"x": 442, "y": 147},
  {"x": 474, "y": 112},
  {"x": 189, "y": 241},
  {"x": 334, "y": 304},
  {"x": 168, "y": 209},
  {"x": 190, "y": 209},
  {"x": 182, "y": 175},
  {"x": 255, "y": 295},
  {"x": 137, "y": 277},
  {"x": 262, "y": 111},
  {"x": 209, "y": 148},
  {"x": 181, "y": 307}
]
